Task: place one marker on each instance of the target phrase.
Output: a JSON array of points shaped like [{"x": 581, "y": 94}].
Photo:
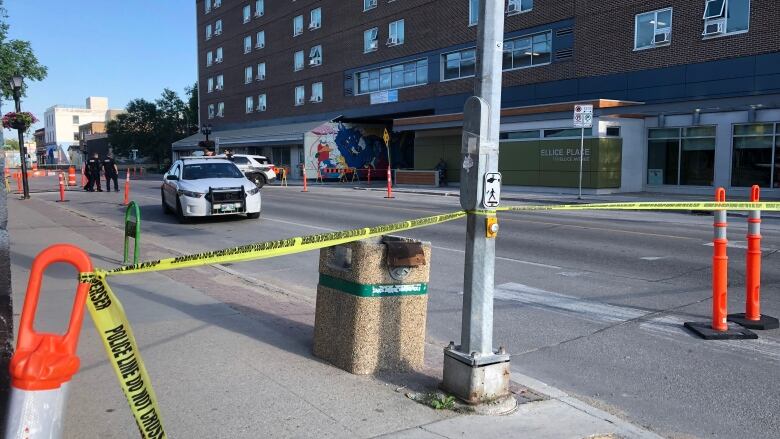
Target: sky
[{"x": 122, "y": 50}]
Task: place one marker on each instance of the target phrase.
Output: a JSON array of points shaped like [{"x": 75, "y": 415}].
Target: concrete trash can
[{"x": 372, "y": 300}]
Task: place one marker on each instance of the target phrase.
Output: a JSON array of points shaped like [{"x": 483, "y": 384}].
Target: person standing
[
  {"x": 93, "y": 168},
  {"x": 111, "y": 172}
]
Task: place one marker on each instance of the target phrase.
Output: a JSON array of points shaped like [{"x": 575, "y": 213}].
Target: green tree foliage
[
  {"x": 151, "y": 127},
  {"x": 191, "y": 115},
  {"x": 16, "y": 56},
  {"x": 11, "y": 144}
]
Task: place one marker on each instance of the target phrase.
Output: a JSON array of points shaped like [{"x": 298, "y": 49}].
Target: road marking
[
  {"x": 668, "y": 326},
  {"x": 653, "y": 258}
]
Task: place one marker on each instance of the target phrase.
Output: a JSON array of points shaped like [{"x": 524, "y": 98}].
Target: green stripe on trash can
[{"x": 373, "y": 290}]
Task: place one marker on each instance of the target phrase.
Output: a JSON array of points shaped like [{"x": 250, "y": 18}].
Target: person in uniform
[
  {"x": 111, "y": 172},
  {"x": 93, "y": 170}
]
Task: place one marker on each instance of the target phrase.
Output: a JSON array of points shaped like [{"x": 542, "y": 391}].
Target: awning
[{"x": 267, "y": 135}]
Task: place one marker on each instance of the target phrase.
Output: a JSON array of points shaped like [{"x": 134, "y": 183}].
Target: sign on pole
[
  {"x": 583, "y": 116},
  {"x": 491, "y": 194}
]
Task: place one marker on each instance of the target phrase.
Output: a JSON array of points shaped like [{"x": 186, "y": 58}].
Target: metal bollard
[
  {"x": 752, "y": 318},
  {"x": 719, "y": 329},
  {"x": 44, "y": 364}
]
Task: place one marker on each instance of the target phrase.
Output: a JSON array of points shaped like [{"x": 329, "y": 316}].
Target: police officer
[
  {"x": 93, "y": 173},
  {"x": 111, "y": 172}
]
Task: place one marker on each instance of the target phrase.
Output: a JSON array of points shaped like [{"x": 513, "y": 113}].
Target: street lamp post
[
  {"x": 206, "y": 130},
  {"x": 16, "y": 86}
]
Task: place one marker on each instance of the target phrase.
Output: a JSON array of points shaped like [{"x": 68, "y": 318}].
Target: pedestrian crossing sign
[{"x": 491, "y": 194}]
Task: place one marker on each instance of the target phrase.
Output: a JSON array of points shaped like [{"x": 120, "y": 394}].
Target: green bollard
[{"x": 132, "y": 230}]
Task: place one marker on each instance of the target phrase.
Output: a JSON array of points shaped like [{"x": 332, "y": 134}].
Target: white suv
[
  {"x": 256, "y": 168},
  {"x": 210, "y": 186}
]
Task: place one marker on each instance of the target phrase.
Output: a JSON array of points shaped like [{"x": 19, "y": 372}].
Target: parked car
[
  {"x": 256, "y": 168},
  {"x": 208, "y": 186}
]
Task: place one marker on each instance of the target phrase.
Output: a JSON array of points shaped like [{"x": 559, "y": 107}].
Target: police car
[{"x": 208, "y": 186}]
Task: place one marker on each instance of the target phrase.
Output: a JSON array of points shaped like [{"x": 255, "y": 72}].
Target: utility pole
[{"x": 474, "y": 371}]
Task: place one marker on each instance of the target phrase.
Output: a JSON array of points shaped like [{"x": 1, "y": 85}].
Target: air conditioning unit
[
  {"x": 374, "y": 44},
  {"x": 260, "y": 108},
  {"x": 314, "y": 25},
  {"x": 217, "y": 32},
  {"x": 715, "y": 27},
  {"x": 316, "y": 99},
  {"x": 260, "y": 78},
  {"x": 259, "y": 45},
  {"x": 300, "y": 101},
  {"x": 218, "y": 87},
  {"x": 218, "y": 60},
  {"x": 512, "y": 8},
  {"x": 258, "y": 13},
  {"x": 662, "y": 37},
  {"x": 372, "y": 4},
  {"x": 392, "y": 41},
  {"x": 315, "y": 62}
]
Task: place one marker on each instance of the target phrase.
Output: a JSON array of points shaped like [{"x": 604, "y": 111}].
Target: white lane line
[
  {"x": 667, "y": 326},
  {"x": 653, "y": 258}
]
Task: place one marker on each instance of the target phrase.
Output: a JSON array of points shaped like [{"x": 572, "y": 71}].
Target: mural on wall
[{"x": 337, "y": 145}]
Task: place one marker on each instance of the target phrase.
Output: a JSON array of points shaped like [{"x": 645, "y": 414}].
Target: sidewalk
[{"x": 230, "y": 359}]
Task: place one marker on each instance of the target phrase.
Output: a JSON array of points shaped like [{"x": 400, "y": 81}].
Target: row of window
[
  {"x": 209, "y": 4},
  {"x": 512, "y": 7},
  {"x": 260, "y": 105},
  {"x": 259, "y": 11},
  {"x": 315, "y": 21},
  {"x": 721, "y": 17},
  {"x": 686, "y": 156}
]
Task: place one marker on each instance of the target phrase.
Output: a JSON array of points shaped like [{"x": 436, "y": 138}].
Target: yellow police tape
[
  {"x": 117, "y": 336},
  {"x": 123, "y": 354}
]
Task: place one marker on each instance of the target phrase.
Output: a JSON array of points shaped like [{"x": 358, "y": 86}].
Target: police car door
[{"x": 170, "y": 187}]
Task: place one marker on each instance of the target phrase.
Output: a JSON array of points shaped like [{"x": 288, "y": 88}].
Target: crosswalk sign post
[{"x": 583, "y": 118}]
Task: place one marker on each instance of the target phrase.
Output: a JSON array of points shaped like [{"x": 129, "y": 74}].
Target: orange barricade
[{"x": 72, "y": 176}]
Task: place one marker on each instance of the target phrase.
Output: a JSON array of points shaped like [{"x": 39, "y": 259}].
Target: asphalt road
[{"x": 590, "y": 302}]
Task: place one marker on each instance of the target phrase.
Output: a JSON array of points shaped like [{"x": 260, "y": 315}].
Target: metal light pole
[
  {"x": 474, "y": 371},
  {"x": 206, "y": 131},
  {"x": 16, "y": 86}
]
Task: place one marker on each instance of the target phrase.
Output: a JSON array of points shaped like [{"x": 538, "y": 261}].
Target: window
[
  {"x": 260, "y": 40},
  {"x": 473, "y": 12},
  {"x": 396, "y": 31},
  {"x": 460, "y": 64},
  {"x": 281, "y": 155},
  {"x": 370, "y": 40},
  {"x": 248, "y": 75},
  {"x": 298, "y": 61},
  {"x": 722, "y": 17},
  {"x": 259, "y": 8},
  {"x": 218, "y": 27},
  {"x": 613, "y": 131},
  {"x": 527, "y": 51},
  {"x": 261, "y": 102},
  {"x": 392, "y": 77},
  {"x": 681, "y": 156},
  {"x": 75, "y": 120},
  {"x": 211, "y": 111},
  {"x": 208, "y": 31},
  {"x": 315, "y": 19},
  {"x": 220, "y": 82},
  {"x": 315, "y": 56},
  {"x": 76, "y": 136},
  {"x": 369, "y": 4},
  {"x": 756, "y": 155},
  {"x": 300, "y": 95},
  {"x": 250, "y": 104},
  {"x": 297, "y": 25},
  {"x": 207, "y": 6},
  {"x": 211, "y": 85},
  {"x": 518, "y": 6},
  {"x": 520, "y": 135},
  {"x": 247, "y": 44},
  {"x": 219, "y": 55},
  {"x": 247, "y": 13},
  {"x": 316, "y": 92},
  {"x": 217, "y": 3},
  {"x": 261, "y": 71},
  {"x": 221, "y": 109},
  {"x": 563, "y": 132},
  {"x": 653, "y": 29},
  {"x": 209, "y": 58}
]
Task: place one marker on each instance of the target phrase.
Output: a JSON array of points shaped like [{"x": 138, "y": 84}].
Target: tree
[
  {"x": 16, "y": 57},
  {"x": 137, "y": 129},
  {"x": 11, "y": 144},
  {"x": 191, "y": 114}
]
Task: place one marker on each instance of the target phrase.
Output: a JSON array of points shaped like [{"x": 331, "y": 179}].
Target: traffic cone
[{"x": 43, "y": 364}]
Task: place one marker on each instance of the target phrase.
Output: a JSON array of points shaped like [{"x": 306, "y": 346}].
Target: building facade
[
  {"x": 61, "y": 127},
  {"x": 686, "y": 92}
]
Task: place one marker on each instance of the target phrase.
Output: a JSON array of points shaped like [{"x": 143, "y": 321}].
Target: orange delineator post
[
  {"x": 305, "y": 184},
  {"x": 127, "y": 188},
  {"x": 44, "y": 364},
  {"x": 18, "y": 177},
  {"x": 62, "y": 188},
  {"x": 752, "y": 318},
  {"x": 719, "y": 329},
  {"x": 389, "y": 183}
]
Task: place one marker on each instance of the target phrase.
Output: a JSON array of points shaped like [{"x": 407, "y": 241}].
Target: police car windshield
[{"x": 210, "y": 170}]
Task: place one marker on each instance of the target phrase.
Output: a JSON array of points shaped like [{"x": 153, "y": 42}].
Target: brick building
[{"x": 686, "y": 92}]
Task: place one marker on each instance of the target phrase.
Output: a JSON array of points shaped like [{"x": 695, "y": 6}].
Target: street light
[
  {"x": 206, "y": 130},
  {"x": 16, "y": 82}
]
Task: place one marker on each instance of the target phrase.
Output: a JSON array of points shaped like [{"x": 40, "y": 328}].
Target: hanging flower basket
[{"x": 19, "y": 121}]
